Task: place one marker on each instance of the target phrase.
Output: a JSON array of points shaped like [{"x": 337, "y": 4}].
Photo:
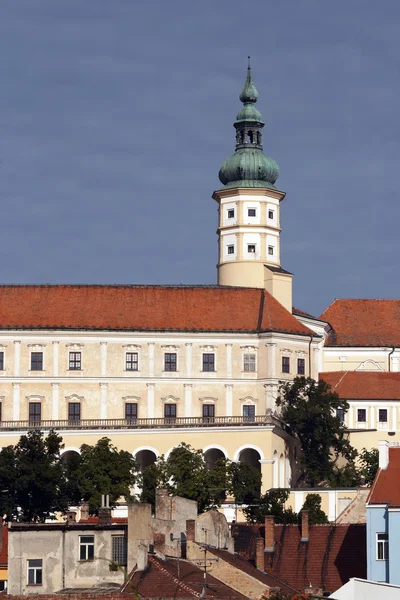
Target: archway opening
[
  {"x": 250, "y": 457},
  {"x": 70, "y": 458},
  {"x": 145, "y": 458},
  {"x": 212, "y": 456}
]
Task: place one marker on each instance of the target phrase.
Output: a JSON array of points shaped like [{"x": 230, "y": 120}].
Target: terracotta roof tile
[
  {"x": 302, "y": 313},
  {"x": 162, "y": 580},
  {"x": 386, "y": 489},
  {"x": 364, "y": 385},
  {"x": 373, "y": 323},
  {"x": 144, "y": 308}
]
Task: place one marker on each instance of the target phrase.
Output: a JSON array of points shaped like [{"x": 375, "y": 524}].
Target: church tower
[{"x": 249, "y": 207}]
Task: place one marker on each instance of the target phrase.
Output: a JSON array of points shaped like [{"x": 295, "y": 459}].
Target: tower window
[
  {"x": 251, "y": 212},
  {"x": 231, "y": 249},
  {"x": 251, "y": 248},
  {"x": 270, "y": 214},
  {"x": 270, "y": 250},
  {"x": 250, "y": 137},
  {"x": 231, "y": 213}
]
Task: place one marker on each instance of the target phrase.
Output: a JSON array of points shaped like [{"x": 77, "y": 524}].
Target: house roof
[
  {"x": 144, "y": 308},
  {"x": 385, "y": 488},
  {"x": 302, "y": 313},
  {"x": 4, "y": 547},
  {"x": 364, "y": 385},
  {"x": 161, "y": 578},
  {"x": 332, "y": 555},
  {"x": 373, "y": 323}
]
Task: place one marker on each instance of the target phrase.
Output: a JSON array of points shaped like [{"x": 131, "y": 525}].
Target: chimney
[
  {"x": 313, "y": 592},
  {"x": 190, "y": 530},
  {"x": 383, "y": 454},
  {"x": 305, "y": 534},
  {"x": 269, "y": 534},
  {"x": 85, "y": 511},
  {"x": 71, "y": 517},
  {"x": 260, "y": 554},
  {"x": 142, "y": 556},
  {"x": 105, "y": 511}
]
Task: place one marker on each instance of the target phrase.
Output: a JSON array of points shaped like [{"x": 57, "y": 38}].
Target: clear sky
[{"x": 115, "y": 116}]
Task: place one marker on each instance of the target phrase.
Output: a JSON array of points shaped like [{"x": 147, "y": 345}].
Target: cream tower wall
[{"x": 249, "y": 241}]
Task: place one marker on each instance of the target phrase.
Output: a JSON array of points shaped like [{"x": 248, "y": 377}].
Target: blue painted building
[{"x": 383, "y": 518}]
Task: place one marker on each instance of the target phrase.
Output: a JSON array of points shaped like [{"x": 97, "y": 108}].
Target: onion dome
[{"x": 248, "y": 166}]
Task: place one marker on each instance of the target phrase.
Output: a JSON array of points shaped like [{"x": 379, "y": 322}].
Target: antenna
[{"x": 248, "y": 63}]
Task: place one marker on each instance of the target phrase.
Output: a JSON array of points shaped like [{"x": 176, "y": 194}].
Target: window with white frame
[
  {"x": 75, "y": 361},
  {"x": 383, "y": 418},
  {"x": 208, "y": 361},
  {"x": 249, "y": 362},
  {"x": 36, "y": 361},
  {"x": 170, "y": 362},
  {"x": 35, "y": 571},
  {"x": 132, "y": 361},
  {"x": 361, "y": 415},
  {"x": 86, "y": 547},
  {"x": 382, "y": 546}
]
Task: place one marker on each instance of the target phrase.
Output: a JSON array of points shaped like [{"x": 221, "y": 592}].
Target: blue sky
[{"x": 115, "y": 116}]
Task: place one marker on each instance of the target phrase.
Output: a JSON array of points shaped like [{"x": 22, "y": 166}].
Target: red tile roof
[
  {"x": 144, "y": 308},
  {"x": 161, "y": 579},
  {"x": 333, "y": 554},
  {"x": 373, "y": 323},
  {"x": 95, "y": 520},
  {"x": 364, "y": 385},
  {"x": 302, "y": 313},
  {"x": 4, "y": 547},
  {"x": 386, "y": 489}
]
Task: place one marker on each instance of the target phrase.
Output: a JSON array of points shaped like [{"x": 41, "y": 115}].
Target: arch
[
  {"x": 212, "y": 454},
  {"x": 250, "y": 137},
  {"x": 288, "y": 472},
  {"x": 275, "y": 470},
  {"x": 70, "y": 449},
  {"x": 145, "y": 456},
  {"x": 248, "y": 447},
  {"x": 282, "y": 471},
  {"x": 70, "y": 457}
]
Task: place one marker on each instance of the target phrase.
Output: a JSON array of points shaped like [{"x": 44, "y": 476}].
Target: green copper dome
[{"x": 248, "y": 166}]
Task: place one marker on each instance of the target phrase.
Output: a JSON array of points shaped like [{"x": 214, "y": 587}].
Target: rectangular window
[
  {"x": 74, "y": 412},
  {"x": 131, "y": 412},
  {"x": 119, "y": 550},
  {"x": 170, "y": 413},
  {"x": 209, "y": 362},
  {"x": 340, "y": 414},
  {"x": 301, "y": 366},
  {"x": 270, "y": 250},
  {"x": 132, "y": 361},
  {"x": 251, "y": 248},
  {"x": 362, "y": 415},
  {"x": 285, "y": 364},
  {"x": 86, "y": 547},
  {"x": 249, "y": 413},
  {"x": 208, "y": 413},
  {"x": 1, "y": 361},
  {"x": 35, "y": 412},
  {"x": 231, "y": 249},
  {"x": 251, "y": 212},
  {"x": 382, "y": 546},
  {"x": 75, "y": 361},
  {"x": 383, "y": 415},
  {"x": 36, "y": 361},
  {"x": 270, "y": 214},
  {"x": 249, "y": 362},
  {"x": 231, "y": 213},
  {"x": 170, "y": 361},
  {"x": 35, "y": 571}
]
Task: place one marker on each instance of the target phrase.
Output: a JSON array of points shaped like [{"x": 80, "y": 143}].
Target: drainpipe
[
  {"x": 389, "y": 355},
  {"x": 309, "y": 356}
]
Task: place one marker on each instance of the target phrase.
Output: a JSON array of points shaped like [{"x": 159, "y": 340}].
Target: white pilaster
[
  {"x": 103, "y": 346},
  {"x": 17, "y": 357},
  {"x": 56, "y": 346},
  {"x": 103, "y": 400},
  {"x": 228, "y": 360},
  {"x": 189, "y": 360},
  {"x": 271, "y": 360},
  {"x": 270, "y": 395},
  {"x": 228, "y": 399},
  {"x": 150, "y": 399},
  {"x": 317, "y": 353},
  {"x": 372, "y": 409},
  {"x": 55, "y": 395},
  {"x": 332, "y": 505},
  {"x": 16, "y": 400},
  {"x": 151, "y": 360},
  {"x": 394, "y": 417},
  {"x": 188, "y": 399},
  {"x": 298, "y": 501},
  {"x": 351, "y": 417}
]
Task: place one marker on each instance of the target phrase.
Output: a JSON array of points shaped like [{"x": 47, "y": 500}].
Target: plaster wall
[{"x": 377, "y": 522}]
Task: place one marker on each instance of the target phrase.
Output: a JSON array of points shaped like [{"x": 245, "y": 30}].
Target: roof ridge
[{"x": 156, "y": 561}]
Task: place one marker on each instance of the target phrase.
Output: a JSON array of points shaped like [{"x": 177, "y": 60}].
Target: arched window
[
  {"x": 282, "y": 471},
  {"x": 250, "y": 137}
]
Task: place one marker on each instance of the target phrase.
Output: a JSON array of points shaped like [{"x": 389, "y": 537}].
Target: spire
[{"x": 249, "y": 94}]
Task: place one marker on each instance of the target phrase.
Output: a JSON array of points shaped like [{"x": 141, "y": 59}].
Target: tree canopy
[{"x": 273, "y": 503}]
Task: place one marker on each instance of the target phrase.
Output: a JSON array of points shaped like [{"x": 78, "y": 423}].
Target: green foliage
[
  {"x": 102, "y": 469},
  {"x": 309, "y": 409},
  {"x": 271, "y": 503},
  {"x": 32, "y": 478},
  {"x": 369, "y": 464},
  {"x": 316, "y": 515},
  {"x": 245, "y": 482}
]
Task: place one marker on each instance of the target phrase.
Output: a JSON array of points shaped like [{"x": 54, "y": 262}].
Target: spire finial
[
  {"x": 248, "y": 63},
  {"x": 249, "y": 94}
]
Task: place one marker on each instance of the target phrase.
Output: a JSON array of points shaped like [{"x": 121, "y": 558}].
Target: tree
[
  {"x": 369, "y": 464},
  {"x": 102, "y": 469},
  {"x": 271, "y": 503},
  {"x": 245, "y": 482},
  {"x": 308, "y": 408},
  {"x": 32, "y": 478},
  {"x": 312, "y": 505}
]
